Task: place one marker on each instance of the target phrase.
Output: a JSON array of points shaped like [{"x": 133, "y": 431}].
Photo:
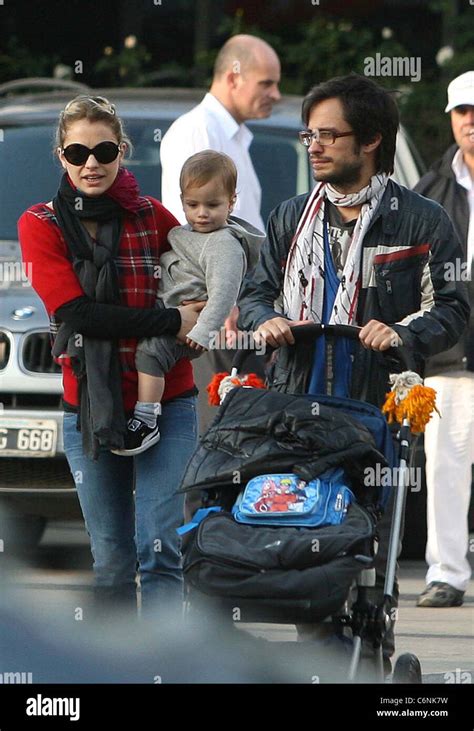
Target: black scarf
[{"x": 101, "y": 417}]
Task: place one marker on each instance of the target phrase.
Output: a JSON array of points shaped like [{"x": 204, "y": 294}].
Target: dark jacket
[
  {"x": 258, "y": 431},
  {"x": 440, "y": 184},
  {"x": 403, "y": 284}
]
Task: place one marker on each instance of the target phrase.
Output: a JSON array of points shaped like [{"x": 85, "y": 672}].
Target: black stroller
[{"x": 274, "y": 573}]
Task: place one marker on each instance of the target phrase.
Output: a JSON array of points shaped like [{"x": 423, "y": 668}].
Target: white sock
[{"x": 147, "y": 411}]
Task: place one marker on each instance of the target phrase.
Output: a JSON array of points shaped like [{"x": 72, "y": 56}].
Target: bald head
[
  {"x": 246, "y": 77},
  {"x": 241, "y": 53}
]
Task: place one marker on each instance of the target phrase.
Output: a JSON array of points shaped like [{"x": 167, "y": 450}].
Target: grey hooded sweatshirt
[{"x": 208, "y": 266}]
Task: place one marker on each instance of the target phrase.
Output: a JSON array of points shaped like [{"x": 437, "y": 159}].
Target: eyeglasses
[
  {"x": 321, "y": 136},
  {"x": 104, "y": 153}
]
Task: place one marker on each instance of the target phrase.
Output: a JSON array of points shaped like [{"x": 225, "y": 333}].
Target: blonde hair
[
  {"x": 202, "y": 167},
  {"x": 94, "y": 109}
]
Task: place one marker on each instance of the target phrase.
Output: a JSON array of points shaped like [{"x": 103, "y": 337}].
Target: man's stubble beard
[{"x": 348, "y": 175}]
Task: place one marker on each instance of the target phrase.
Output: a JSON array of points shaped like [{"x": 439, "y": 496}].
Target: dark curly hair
[{"x": 368, "y": 109}]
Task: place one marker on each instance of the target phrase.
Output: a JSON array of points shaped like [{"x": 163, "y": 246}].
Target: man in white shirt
[
  {"x": 244, "y": 86},
  {"x": 449, "y": 441}
]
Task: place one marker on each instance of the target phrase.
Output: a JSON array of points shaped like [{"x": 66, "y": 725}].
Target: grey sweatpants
[{"x": 156, "y": 356}]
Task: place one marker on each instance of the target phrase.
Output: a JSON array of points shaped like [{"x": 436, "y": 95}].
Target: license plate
[{"x": 28, "y": 437}]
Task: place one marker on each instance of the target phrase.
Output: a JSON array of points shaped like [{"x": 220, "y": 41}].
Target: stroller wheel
[{"x": 407, "y": 670}]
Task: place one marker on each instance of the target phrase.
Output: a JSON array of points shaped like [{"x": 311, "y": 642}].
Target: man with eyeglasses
[
  {"x": 357, "y": 250},
  {"x": 449, "y": 441}
]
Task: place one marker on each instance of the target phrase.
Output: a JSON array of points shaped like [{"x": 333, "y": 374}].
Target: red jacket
[{"x": 49, "y": 266}]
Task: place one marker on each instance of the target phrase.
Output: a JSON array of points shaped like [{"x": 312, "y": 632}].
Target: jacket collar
[
  {"x": 388, "y": 208},
  {"x": 443, "y": 166}
]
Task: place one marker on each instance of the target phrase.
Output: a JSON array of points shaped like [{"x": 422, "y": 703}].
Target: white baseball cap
[{"x": 461, "y": 91}]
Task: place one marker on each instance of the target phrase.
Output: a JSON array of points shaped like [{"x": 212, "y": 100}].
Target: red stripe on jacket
[{"x": 404, "y": 254}]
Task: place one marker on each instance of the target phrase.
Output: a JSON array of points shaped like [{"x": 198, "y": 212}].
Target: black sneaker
[
  {"x": 440, "y": 594},
  {"x": 139, "y": 437}
]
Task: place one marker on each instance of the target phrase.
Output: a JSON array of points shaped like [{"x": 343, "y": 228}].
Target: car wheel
[{"x": 407, "y": 670}]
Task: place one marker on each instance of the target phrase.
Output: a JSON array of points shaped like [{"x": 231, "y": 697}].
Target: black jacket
[
  {"x": 409, "y": 291},
  {"x": 258, "y": 431},
  {"x": 440, "y": 184}
]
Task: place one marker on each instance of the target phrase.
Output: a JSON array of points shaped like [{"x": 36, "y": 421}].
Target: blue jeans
[{"x": 130, "y": 530}]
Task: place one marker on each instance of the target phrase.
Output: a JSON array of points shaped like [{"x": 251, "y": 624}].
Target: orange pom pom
[
  {"x": 390, "y": 406},
  {"x": 215, "y": 388},
  {"x": 254, "y": 381},
  {"x": 417, "y": 406}
]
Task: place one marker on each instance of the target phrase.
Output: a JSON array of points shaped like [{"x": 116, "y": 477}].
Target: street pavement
[
  {"x": 442, "y": 639},
  {"x": 58, "y": 580}
]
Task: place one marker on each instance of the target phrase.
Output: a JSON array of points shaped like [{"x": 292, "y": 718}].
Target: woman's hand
[{"x": 189, "y": 312}]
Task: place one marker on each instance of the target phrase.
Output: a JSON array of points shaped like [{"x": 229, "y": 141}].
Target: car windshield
[
  {"x": 29, "y": 173},
  {"x": 281, "y": 164},
  {"x": 32, "y": 172}
]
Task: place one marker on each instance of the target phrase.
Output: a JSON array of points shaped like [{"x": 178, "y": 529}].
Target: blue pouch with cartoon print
[{"x": 286, "y": 499}]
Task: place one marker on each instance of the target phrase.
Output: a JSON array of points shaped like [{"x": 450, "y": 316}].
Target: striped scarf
[{"x": 303, "y": 284}]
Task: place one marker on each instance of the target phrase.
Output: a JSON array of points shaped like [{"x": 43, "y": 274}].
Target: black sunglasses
[{"x": 104, "y": 153}]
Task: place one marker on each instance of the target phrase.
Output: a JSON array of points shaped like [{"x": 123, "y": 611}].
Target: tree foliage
[{"x": 325, "y": 46}]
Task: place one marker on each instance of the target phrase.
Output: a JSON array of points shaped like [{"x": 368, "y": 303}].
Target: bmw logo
[{"x": 23, "y": 313}]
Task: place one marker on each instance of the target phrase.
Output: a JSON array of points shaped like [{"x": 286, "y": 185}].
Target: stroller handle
[
  {"x": 306, "y": 332},
  {"x": 303, "y": 333}
]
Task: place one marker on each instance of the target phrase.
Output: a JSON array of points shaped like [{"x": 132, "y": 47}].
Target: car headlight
[{"x": 4, "y": 350}]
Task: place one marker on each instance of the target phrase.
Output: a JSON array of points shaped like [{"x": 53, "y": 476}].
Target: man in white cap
[{"x": 449, "y": 441}]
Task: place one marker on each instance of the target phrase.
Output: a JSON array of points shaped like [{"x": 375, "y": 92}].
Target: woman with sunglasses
[{"x": 93, "y": 253}]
